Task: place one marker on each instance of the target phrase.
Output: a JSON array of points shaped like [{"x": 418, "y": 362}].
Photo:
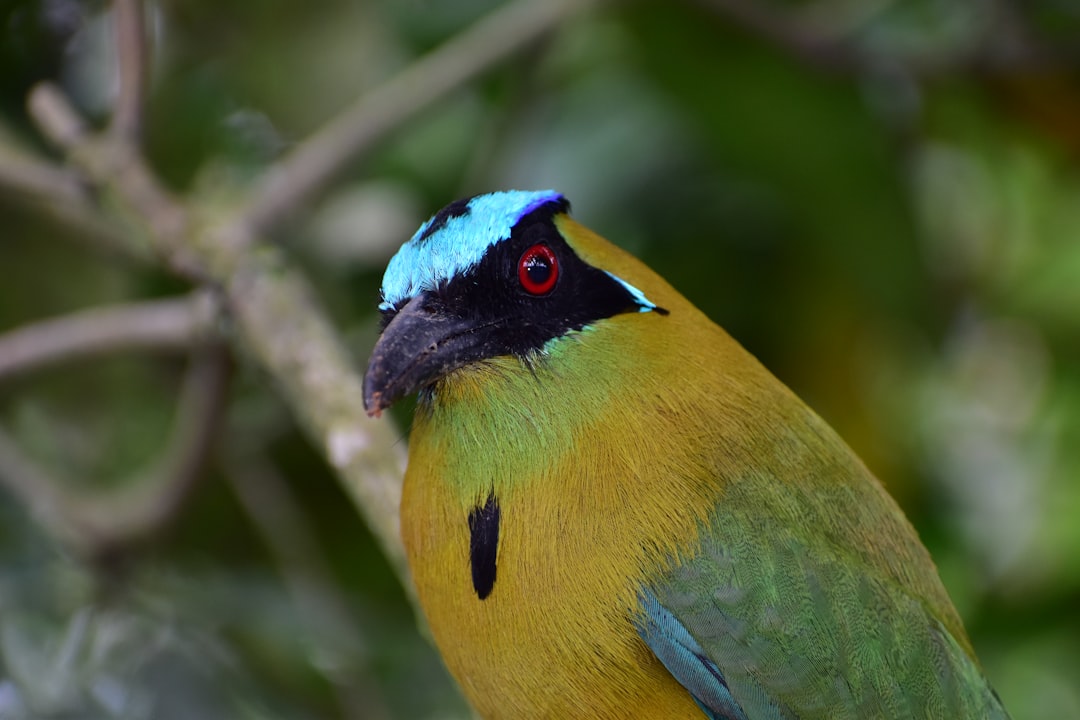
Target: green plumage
[
  {"x": 807, "y": 589},
  {"x": 804, "y": 629}
]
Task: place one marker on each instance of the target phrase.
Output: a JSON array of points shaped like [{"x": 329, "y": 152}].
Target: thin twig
[
  {"x": 97, "y": 525},
  {"x": 130, "y": 35},
  {"x": 317, "y": 160},
  {"x": 276, "y": 318},
  {"x": 115, "y": 163},
  {"x": 172, "y": 324},
  {"x": 26, "y": 176},
  {"x": 124, "y": 518},
  {"x": 37, "y": 490},
  {"x": 64, "y": 196}
]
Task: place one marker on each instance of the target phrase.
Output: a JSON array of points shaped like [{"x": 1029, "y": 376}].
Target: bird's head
[{"x": 505, "y": 274}]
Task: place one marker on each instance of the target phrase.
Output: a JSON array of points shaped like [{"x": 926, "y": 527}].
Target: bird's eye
[{"x": 538, "y": 269}]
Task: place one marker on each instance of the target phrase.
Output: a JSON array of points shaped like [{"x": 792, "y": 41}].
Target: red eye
[{"x": 538, "y": 269}]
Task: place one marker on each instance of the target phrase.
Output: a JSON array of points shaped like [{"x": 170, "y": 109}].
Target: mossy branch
[{"x": 273, "y": 311}]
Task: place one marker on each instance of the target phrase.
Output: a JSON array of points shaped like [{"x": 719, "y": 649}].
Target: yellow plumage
[{"x": 600, "y": 495}]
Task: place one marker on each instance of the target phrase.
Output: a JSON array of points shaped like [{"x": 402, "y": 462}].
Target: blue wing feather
[
  {"x": 780, "y": 632},
  {"x": 686, "y": 660}
]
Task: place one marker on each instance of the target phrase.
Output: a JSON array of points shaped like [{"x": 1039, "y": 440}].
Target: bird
[{"x": 612, "y": 510}]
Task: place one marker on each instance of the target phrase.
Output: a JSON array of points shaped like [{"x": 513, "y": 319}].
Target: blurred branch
[
  {"x": 277, "y": 319},
  {"x": 58, "y": 191},
  {"x": 276, "y": 316},
  {"x": 116, "y": 165},
  {"x": 35, "y": 488},
  {"x": 121, "y": 519},
  {"x": 317, "y": 160},
  {"x": 130, "y": 33},
  {"x": 161, "y": 324},
  {"x": 266, "y": 498},
  {"x": 282, "y": 326},
  {"x": 23, "y": 175},
  {"x": 97, "y": 525}
]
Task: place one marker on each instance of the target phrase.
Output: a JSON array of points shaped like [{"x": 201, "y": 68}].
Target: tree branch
[
  {"x": 173, "y": 324},
  {"x": 277, "y": 319},
  {"x": 281, "y": 325},
  {"x": 23, "y": 175},
  {"x": 63, "y": 195},
  {"x": 121, "y": 519},
  {"x": 317, "y": 160},
  {"x": 130, "y": 34},
  {"x": 115, "y": 164},
  {"x": 37, "y": 490},
  {"x": 100, "y": 524}
]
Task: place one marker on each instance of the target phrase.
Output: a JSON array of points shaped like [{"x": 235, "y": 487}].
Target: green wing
[{"x": 777, "y": 619}]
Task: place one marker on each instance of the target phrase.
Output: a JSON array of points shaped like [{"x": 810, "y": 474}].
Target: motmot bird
[{"x": 612, "y": 510}]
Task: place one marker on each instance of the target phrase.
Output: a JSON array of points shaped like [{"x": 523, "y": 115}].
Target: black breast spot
[{"x": 484, "y": 545}]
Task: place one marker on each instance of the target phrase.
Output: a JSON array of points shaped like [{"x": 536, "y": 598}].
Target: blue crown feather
[{"x": 455, "y": 240}]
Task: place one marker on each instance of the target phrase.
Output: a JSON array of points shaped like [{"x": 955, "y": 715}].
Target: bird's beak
[{"x": 421, "y": 344}]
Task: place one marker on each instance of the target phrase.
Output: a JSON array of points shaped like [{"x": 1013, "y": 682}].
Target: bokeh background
[{"x": 880, "y": 199}]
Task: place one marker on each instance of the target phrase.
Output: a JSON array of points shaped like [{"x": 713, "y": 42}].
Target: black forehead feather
[{"x": 458, "y": 208}]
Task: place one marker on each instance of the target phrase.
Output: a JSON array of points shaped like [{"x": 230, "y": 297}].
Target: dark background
[{"x": 881, "y": 200}]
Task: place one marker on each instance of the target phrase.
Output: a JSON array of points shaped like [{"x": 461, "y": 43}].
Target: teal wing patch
[
  {"x": 761, "y": 625},
  {"x": 686, "y": 660}
]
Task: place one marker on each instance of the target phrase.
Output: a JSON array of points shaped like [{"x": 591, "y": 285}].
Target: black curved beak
[{"x": 423, "y": 342}]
